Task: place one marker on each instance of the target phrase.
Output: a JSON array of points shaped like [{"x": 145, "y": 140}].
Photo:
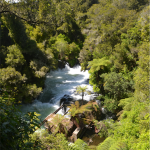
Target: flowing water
[{"x": 57, "y": 84}]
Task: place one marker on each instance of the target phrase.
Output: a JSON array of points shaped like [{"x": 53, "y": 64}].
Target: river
[{"x": 57, "y": 84}]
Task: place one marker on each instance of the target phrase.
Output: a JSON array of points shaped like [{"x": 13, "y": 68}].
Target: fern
[
  {"x": 60, "y": 122},
  {"x": 126, "y": 103},
  {"x": 98, "y": 64},
  {"x": 106, "y": 144},
  {"x": 119, "y": 145},
  {"x": 80, "y": 145},
  {"x": 76, "y": 109}
]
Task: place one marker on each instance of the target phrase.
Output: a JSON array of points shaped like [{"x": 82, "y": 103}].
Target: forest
[{"x": 109, "y": 38}]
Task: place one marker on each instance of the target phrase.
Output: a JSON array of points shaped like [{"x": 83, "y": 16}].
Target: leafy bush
[{"x": 15, "y": 127}]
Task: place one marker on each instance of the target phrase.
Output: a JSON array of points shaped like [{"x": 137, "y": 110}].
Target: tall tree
[{"x": 81, "y": 89}]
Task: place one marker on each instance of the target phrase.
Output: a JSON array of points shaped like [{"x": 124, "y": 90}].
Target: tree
[
  {"x": 97, "y": 68},
  {"x": 11, "y": 79},
  {"x": 110, "y": 144},
  {"x": 134, "y": 120},
  {"x": 142, "y": 74},
  {"x": 62, "y": 46},
  {"x": 124, "y": 56},
  {"x": 15, "y": 133},
  {"x": 24, "y": 10},
  {"x": 73, "y": 54},
  {"x": 60, "y": 124},
  {"x": 80, "y": 145},
  {"x": 44, "y": 140},
  {"x": 75, "y": 110},
  {"x": 81, "y": 89},
  {"x": 14, "y": 57},
  {"x": 116, "y": 87},
  {"x": 30, "y": 92}
]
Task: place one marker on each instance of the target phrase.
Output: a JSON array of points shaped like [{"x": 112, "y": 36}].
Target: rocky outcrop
[{"x": 66, "y": 100}]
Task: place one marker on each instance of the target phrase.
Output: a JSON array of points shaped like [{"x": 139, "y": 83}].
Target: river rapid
[{"x": 57, "y": 84}]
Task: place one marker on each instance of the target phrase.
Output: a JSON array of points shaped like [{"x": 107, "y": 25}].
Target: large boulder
[{"x": 66, "y": 100}]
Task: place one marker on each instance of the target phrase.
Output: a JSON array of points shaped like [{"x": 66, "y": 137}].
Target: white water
[{"x": 58, "y": 83}]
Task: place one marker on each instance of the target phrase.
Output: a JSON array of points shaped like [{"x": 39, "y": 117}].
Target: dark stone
[
  {"x": 61, "y": 64},
  {"x": 107, "y": 114},
  {"x": 66, "y": 100},
  {"x": 111, "y": 115}
]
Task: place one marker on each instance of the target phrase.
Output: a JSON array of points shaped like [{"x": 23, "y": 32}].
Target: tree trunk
[{"x": 82, "y": 97}]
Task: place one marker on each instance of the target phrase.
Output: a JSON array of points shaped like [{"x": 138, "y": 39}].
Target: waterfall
[{"x": 57, "y": 84}]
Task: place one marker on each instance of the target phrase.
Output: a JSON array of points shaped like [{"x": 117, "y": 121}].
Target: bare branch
[{"x": 28, "y": 21}]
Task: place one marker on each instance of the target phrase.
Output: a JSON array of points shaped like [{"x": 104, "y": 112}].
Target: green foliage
[
  {"x": 112, "y": 35},
  {"x": 116, "y": 88},
  {"x": 102, "y": 50},
  {"x": 76, "y": 109},
  {"x": 80, "y": 145},
  {"x": 137, "y": 5},
  {"x": 73, "y": 54},
  {"x": 144, "y": 134},
  {"x": 14, "y": 57},
  {"x": 132, "y": 37},
  {"x": 3, "y": 55},
  {"x": 11, "y": 79},
  {"x": 63, "y": 49},
  {"x": 110, "y": 104},
  {"x": 30, "y": 58},
  {"x": 98, "y": 67},
  {"x": 15, "y": 84},
  {"x": 39, "y": 69},
  {"x": 111, "y": 144},
  {"x": 31, "y": 92},
  {"x": 105, "y": 127},
  {"x": 44, "y": 140},
  {"x": 81, "y": 89},
  {"x": 133, "y": 127},
  {"x": 60, "y": 123},
  {"x": 126, "y": 103},
  {"x": 38, "y": 35},
  {"x": 15, "y": 132},
  {"x": 106, "y": 144},
  {"x": 123, "y": 57},
  {"x": 143, "y": 23},
  {"x": 98, "y": 64},
  {"x": 115, "y": 85},
  {"x": 61, "y": 46},
  {"x": 84, "y": 56},
  {"x": 142, "y": 73},
  {"x": 13, "y": 24},
  {"x": 105, "y": 23}
]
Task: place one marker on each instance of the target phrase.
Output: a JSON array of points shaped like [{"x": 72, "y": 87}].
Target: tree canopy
[{"x": 109, "y": 38}]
